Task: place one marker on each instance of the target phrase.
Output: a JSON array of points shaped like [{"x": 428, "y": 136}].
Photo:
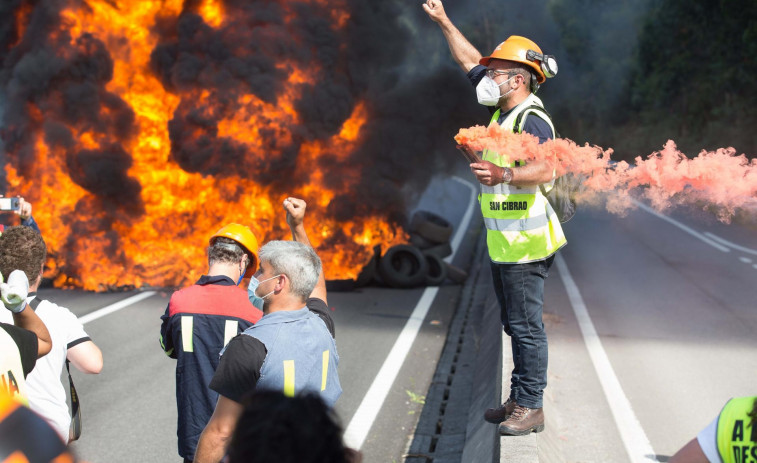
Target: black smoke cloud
[
  {"x": 56, "y": 89},
  {"x": 414, "y": 105},
  {"x": 409, "y": 117}
]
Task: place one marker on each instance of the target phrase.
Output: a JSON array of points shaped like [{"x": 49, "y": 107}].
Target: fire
[
  {"x": 157, "y": 235},
  {"x": 212, "y": 12}
]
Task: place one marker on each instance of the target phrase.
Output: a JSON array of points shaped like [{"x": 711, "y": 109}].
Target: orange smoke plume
[{"x": 719, "y": 180}]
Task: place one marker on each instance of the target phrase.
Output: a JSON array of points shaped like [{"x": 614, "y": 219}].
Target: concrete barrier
[{"x": 468, "y": 380}]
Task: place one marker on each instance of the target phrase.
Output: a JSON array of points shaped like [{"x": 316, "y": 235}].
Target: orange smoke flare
[{"x": 718, "y": 179}]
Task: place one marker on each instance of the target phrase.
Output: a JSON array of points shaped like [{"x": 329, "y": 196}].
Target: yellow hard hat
[
  {"x": 244, "y": 236},
  {"x": 523, "y": 50}
]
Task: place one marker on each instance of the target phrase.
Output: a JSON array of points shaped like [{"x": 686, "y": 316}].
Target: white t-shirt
[
  {"x": 708, "y": 440},
  {"x": 45, "y": 391}
]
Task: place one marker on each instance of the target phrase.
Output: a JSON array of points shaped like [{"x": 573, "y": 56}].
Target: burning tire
[
  {"x": 403, "y": 266},
  {"x": 437, "y": 270},
  {"x": 430, "y": 226}
]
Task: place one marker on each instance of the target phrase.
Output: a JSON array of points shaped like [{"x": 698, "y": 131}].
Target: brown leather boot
[
  {"x": 523, "y": 421},
  {"x": 501, "y": 413}
]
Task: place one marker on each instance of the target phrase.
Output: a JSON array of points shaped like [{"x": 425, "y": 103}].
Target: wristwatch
[{"x": 507, "y": 175}]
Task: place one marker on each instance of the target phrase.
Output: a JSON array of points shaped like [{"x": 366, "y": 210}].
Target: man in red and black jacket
[{"x": 200, "y": 320}]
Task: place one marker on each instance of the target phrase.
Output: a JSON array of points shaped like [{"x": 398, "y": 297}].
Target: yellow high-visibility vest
[
  {"x": 737, "y": 436},
  {"x": 521, "y": 226}
]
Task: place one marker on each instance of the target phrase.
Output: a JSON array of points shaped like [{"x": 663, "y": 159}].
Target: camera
[{"x": 9, "y": 204}]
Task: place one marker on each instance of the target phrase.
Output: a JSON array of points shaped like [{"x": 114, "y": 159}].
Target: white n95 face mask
[{"x": 487, "y": 91}]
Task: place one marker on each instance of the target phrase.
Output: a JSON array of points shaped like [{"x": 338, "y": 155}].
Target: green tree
[{"x": 695, "y": 74}]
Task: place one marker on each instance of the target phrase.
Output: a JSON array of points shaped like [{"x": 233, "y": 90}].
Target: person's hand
[
  {"x": 435, "y": 10},
  {"x": 487, "y": 173},
  {"x": 295, "y": 211},
  {"x": 14, "y": 292},
  {"x": 24, "y": 209}
]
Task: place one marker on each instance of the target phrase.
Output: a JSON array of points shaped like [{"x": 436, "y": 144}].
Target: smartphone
[{"x": 8, "y": 204}]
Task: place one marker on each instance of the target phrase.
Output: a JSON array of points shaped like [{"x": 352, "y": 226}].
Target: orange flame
[{"x": 165, "y": 246}]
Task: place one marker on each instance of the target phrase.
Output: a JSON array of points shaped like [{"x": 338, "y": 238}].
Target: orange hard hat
[
  {"x": 244, "y": 236},
  {"x": 516, "y": 48}
]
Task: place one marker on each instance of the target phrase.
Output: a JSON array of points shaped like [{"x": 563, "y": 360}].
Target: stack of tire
[{"x": 421, "y": 261}]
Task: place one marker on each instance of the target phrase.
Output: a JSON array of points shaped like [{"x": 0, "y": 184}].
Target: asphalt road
[{"x": 672, "y": 301}]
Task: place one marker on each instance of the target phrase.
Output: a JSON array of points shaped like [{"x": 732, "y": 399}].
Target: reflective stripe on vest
[
  {"x": 520, "y": 224},
  {"x": 301, "y": 354},
  {"x": 737, "y": 436}
]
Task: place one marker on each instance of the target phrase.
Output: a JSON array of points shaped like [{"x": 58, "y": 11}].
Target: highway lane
[
  {"x": 672, "y": 300},
  {"x": 129, "y": 409},
  {"x": 130, "y": 412}
]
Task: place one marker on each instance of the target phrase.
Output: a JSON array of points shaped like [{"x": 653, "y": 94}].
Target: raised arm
[
  {"x": 14, "y": 294},
  {"x": 462, "y": 51},
  {"x": 295, "y": 217},
  {"x": 29, "y": 320}
]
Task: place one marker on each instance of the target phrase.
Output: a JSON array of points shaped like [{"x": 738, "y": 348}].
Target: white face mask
[
  {"x": 252, "y": 294},
  {"x": 487, "y": 91}
]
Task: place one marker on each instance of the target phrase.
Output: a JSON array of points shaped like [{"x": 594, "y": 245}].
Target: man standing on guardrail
[
  {"x": 522, "y": 231},
  {"x": 200, "y": 320}
]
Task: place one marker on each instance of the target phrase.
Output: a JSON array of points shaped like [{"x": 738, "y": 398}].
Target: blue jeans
[{"x": 520, "y": 292}]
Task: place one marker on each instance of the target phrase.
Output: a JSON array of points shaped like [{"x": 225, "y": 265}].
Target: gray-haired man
[{"x": 290, "y": 349}]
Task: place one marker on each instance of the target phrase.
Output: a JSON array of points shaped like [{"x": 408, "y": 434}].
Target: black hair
[{"x": 274, "y": 427}]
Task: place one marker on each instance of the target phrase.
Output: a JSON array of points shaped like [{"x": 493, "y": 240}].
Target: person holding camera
[{"x": 21, "y": 208}]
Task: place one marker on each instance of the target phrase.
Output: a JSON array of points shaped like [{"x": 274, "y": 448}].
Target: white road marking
[
  {"x": 745, "y": 260},
  {"x": 683, "y": 227},
  {"x": 362, "y": 420},
  {"x": 731, "y": 245},
  {"x": 635, "y": 440},
  {"x": 107, "y": 310}
]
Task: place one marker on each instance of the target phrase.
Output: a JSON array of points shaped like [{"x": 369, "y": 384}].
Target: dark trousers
[{"x": 520, "y": 292}]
